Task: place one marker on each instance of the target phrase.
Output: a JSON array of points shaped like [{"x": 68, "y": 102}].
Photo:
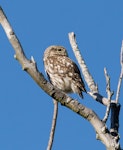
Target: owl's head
[{"x": 55, "y": 51}]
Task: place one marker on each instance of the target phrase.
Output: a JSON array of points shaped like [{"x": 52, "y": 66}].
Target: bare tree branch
[
  {"x": 121, "y": 75},
  {"x": 94, "y": 89},
  {"x": 87, "y": 76},
  {"x": 30, "y": 67},
  {"x": 53, "y": 127},
  {"x": 115, "y": 107},
  {"x": 109, "y": 95}
]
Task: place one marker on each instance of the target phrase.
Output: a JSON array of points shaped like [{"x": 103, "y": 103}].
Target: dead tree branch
[
  {"x": 94, "y": 89},
  {"x": 53, "y": 127},
  {"x": 121, "y": 75},
  {"x": 115, "y": 107},
  {"x": 31, "y": 68},
  {"x": 109, "y": 95},
  {"x": 87, "y": 76}
]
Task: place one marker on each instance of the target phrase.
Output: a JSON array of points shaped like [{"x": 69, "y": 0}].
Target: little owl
[{"x": 62, "y": 71}]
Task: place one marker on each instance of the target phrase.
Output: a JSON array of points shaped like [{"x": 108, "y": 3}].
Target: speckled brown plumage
[{"x": 62, "y": 71}]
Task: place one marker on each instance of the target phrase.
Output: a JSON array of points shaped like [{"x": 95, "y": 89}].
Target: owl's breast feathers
[{"x": 64, "y": 74}]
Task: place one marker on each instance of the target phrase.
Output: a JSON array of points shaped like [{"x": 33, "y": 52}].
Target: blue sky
[{"x": 25, "y": 110}]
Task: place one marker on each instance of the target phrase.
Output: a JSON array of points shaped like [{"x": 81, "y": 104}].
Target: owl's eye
[{"x": 59, "y": 50}]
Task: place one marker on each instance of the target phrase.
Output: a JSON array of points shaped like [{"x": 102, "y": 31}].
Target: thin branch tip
[
  {"x": 105, "y": 70},
  {"x": 71, "y": 33},
  {"x": 15, "y": 56},
  {"x": 32, "y": 59},
  {"x": 122, "y": 43},
  {"x": 121, "y": 75}
]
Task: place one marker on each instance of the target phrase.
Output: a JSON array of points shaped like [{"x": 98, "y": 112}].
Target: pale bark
[{"x": 53, "y": 126}]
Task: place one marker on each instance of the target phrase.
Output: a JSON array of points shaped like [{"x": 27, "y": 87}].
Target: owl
[{"x": 63, "y": 73}]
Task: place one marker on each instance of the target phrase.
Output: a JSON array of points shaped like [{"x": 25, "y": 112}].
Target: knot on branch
[{"x": 29, "y": 64}]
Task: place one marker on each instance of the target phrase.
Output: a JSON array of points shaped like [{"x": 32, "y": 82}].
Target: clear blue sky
[{"x": 25, "y": 110}]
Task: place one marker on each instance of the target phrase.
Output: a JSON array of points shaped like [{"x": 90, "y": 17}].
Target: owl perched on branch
[{"x": 62, "y": 71}]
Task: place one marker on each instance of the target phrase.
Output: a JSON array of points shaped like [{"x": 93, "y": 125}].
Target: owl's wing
[
  {"x": 69, "y": 67},
  {"x": 79, "y": 78}
]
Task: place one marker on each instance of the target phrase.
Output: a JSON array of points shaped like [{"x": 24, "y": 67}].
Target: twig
[
  {"x": 121, "y": 75},
  {"x": 109, "y": 95},
  {"x": 87, "y": 76},
  {"x": 53, "y": 126}
]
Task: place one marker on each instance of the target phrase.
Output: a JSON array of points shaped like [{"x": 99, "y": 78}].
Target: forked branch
[{"x": 94, "y": 89}]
